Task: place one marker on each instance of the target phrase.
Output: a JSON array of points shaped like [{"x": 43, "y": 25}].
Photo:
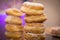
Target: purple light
[
  {"x": 2, "y": 26},
  {"x": 23, "y": 21}
]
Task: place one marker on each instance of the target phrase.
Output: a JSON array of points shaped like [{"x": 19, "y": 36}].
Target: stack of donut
[
  {"x": 14, "y": 29},
  {"x": 34, "y": 19},
  {"x": 34, "y": 26}
]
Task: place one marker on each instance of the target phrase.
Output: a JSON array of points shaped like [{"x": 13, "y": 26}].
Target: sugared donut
[
  {"x": 34, "y": 24},
  {"x": 31, "y": 36},
  {"x": 13, "y": 27},
  {"x": 13, "y": 34},
  {"x": 31, "y": 5},
  {"x": 35, "y": 30},
  {"x": 14, "y": 12},
  {"x": 38, "y": 18},
  {"x": 32, "y": 8},
  {"x": 13, "y": 20}
]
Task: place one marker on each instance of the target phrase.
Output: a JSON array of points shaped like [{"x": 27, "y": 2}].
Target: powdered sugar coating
[{"x": 33, "y": 4}]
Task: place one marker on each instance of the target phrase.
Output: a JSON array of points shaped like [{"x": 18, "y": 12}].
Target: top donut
[
  {"x": 14, "y": 12},
  {"x": 37, "y": 6}
]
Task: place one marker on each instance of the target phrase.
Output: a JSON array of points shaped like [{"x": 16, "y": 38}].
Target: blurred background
[{"x": 52, "y": 10}]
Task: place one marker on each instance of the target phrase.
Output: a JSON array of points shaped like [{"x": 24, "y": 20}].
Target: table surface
[{"x": 52, "y": 38}]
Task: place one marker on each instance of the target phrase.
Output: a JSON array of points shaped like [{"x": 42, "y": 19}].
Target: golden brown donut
[
  {"x": 34, "y": 25},
  {"x": 13, "y": 34},
  {"x": 14, "y": 12},
  {"x": 36, "y": 30},
  {"x": 30, "y": 36},
  {"x": 13, "y": 27},
  {"x": 32, "y": 8},
  {"x": 31, "y": 5},
  {"x": 13, "y": 20},
  {"x": 38, "y": 18}
]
